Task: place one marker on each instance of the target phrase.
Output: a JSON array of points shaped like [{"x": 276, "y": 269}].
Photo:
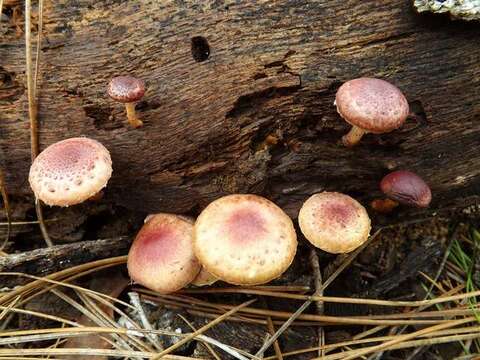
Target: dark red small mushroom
[
  {"x": 406, "y": 188},
  {"x": 127, "y": 90}
]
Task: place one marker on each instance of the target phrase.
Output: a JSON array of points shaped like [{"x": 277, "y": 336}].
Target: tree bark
[{"x": 248, "y": 107}]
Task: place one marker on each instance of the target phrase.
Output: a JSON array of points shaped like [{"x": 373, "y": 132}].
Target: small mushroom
[
  {"x": 70, "y": 171},
  {"x": 407, "y": 188},
  {"x": 204, "y": 278},
  {"x": 127, "y": 90},
  {"x": 384, "y": 206},
  {"x": 370, "y": 105},
  {"x": 334, "y": 222},
  {"x": 161, "y": 257},
  {"x": 244, "y": 239}
]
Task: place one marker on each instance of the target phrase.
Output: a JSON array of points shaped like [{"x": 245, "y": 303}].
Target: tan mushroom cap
[
  {"x": 244, "y": 239},
  {"x": 374, "y": 105},
  {"x": 161, "y": 257},
  {"x": 70, "y": 171},
  {"x": 204, "y": 278},
  {"x": 334, "y": 222}
]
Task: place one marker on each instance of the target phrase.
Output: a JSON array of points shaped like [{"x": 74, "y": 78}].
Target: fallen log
[{"x": 240, "y": 98}]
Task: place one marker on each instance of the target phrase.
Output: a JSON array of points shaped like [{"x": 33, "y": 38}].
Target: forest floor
[{"x": 428, "y": 260}]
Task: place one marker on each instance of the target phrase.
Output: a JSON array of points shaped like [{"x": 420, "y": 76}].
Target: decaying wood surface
[
  {"x": 44, "y": 261},
  {"x": 257, "y": 115}
]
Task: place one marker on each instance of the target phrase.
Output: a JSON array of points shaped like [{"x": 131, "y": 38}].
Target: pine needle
[
  {"x": 3, "y": 190},
  {"x": 402, "y": 338},
  {"x": 307, "y": 303},
  {"x": 33, "y": 111},
  {"x": 203, "y": 329},
  {"x": 207, "y": 345}
]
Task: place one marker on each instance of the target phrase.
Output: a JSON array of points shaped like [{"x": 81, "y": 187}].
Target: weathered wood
[
  {"x": 48, "y": 260},
  {"x": 212, "y": 127}
]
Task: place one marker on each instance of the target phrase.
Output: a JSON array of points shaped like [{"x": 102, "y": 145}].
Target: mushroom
[
  {"x": 127, "y": 90},
  {"x": 204, "y": 278},
  {"x": 334, "y": 222},
  {"x": 70, "y": 171},
  {"x": 406, "y": 188},
  {"x": 370, "y": 105},
  {"x": 161, "y": 256},
  {"x": 383, "y": 206},
  {"x": 244, "y": 239}
]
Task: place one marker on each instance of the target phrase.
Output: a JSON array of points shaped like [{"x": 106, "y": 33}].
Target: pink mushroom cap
[
  {"x": 161, "y": 257},
  {"x": 126, "y": 89},
  {"x": 70, "y": 171},
  {"x": 244, "y": 239},
  {"x": 334, "y": 222},
  {"x": 373, "y": 105}
]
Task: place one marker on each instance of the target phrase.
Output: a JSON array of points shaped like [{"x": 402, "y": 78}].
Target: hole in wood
[{"x": 200, "y": 48}]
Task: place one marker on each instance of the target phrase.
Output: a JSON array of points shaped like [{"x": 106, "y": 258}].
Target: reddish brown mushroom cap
[
  {"x": 334, "y": 222},
  {"x": 161, "y": 257},
  {"x": 407, "y": 188},
  {"x": 70, "y": 171},
  {"x": 126, "y": 89},
  {"x": 373, "y": 105},
  {"x": 244, "y": 239}
]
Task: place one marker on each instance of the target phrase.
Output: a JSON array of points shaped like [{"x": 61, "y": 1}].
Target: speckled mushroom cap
[
  {"x": 373, "y": 105},
  {"x": 126, "y": 89},
  {"x": 244, "y": 239},
  {"x": 161, "y": 257},
  {"x": 334, "y": 222},
  {"x": 70, "y": 171},
  {"x": 407, "y": 188}
]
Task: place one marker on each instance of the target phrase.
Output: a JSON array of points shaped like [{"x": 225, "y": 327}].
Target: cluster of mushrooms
[{"x": 241, "y": 239}]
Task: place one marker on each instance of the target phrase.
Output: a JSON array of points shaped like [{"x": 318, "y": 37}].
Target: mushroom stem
[
  {"x": 353, "y": 136},
  {"x": 132, "y": 116},
  {"x": 383, "y": 206}
]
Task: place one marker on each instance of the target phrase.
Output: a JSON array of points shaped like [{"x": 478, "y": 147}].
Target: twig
[
  {"x": 1, "y": 12},
  {"x": 262, "y": 355},
  {"x": 39, "y": 46},
  {"x": 48, "y": 260},
  {"x": 32, "y": 112},
  {"x": 3, "y": 190},
  {"x": 19, "y": 223},
  {"x": 203, "y": 329},
  {"x": 135, "y": 300},
  {"x": 307, "y": 303},
  {"x": 271, "y": 331},
  {"x": 317, "y": 279}
]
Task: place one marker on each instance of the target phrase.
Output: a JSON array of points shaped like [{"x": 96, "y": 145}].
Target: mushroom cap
[
  {"x": 70, "y": 171},
  {"x": 126, "y": 89},
  {"x": 334, "y": 222},
  {"x": 373, "y": 105},
  {"x": 244, "y": 239},
  {"x": 407, "y": 188},
  {"x": 204, "y": 278},
  {"x": 161, "y": 257}
]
